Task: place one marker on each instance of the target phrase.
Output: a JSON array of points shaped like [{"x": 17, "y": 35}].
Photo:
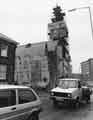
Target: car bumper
[{"x": 62, "y": 99}]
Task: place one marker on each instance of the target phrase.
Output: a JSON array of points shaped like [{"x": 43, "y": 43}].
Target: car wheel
[
  {"x": 55, "y": 103},
  {"x": 77, "y": 103},
  {"x": 88, "y": 99},
  {"x": 34, "y": 117}
]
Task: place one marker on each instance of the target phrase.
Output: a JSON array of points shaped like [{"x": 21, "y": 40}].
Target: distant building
[
  {"x": 87, "y": 69},
  {"x": 75, "y": 75},
  {"x": 7, "y": 59}
]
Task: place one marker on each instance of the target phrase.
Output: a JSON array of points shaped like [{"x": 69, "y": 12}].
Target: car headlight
[
  {"x": 52, "y": 93},
  {"x": 69, "y": 95}
]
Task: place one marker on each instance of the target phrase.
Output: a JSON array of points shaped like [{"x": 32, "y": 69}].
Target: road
[{"x": 64, "y": 112}]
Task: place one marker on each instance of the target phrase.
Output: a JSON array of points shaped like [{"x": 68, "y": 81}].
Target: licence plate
[{"x": 59, "y": 99}]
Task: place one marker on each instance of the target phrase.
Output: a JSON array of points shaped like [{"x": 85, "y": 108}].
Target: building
[
  {"x": 7, "y": 59},
  {"x": 87, "y": 69},
  {"x": 58, "y": 31},
  {"x": 35, "y": 64},
  {"x": 76, "y": 75},
  {"x": 41, "y": 64}
]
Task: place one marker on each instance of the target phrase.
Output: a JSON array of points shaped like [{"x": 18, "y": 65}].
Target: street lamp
[{"x": 74, "y": 9}]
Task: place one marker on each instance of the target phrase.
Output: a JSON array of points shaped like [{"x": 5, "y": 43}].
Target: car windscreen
[{"x": 65, "y": 84}]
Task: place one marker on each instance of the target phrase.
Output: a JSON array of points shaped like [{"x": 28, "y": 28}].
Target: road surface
[{"x": 64, "y": 112}]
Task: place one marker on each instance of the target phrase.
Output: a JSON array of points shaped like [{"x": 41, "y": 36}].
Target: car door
[
  {"x": 8, "y": 104},
  {"x": 27, "y": 102}
]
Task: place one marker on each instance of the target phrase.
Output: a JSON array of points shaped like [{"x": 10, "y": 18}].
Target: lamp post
[{"x": 74, "y": 9}]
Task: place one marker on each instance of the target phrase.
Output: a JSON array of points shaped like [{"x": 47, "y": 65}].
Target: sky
[{"x": 25, "y": 21}]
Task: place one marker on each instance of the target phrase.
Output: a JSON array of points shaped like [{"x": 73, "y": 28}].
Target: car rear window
[
  {"x": 26, "y": 96},
  {"x": 7, "y": 98}
]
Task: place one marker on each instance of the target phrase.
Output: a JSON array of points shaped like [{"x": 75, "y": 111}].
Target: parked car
[
  {"x": 19, "y": 103},
  {"x": 69, "y": 90}
]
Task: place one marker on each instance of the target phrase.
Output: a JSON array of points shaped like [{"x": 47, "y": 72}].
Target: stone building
[
  {"x": 7, "y": 59},
  {"x": 35, "y": 63},
  {"x": 41, "y": 64}
]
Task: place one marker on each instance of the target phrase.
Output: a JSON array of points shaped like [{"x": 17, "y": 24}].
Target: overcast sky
[{"x": 26, "y": 21}]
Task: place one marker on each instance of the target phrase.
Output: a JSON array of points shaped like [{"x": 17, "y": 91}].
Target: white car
[
  {"x": 19, "y": 103},
  {"x": 70, "y": 90}
]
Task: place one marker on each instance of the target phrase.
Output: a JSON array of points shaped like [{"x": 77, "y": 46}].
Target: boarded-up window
[{"x": 3, "y": 71}]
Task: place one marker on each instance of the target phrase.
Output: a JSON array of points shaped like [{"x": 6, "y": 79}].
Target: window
[
  {"x": 7, "y": 98},
  {"x": 4, "y": 51},
  {"x": 26, "y": 96},
  {"x": 65, "y": 84},
  {"x": 3, "y": 69}
]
